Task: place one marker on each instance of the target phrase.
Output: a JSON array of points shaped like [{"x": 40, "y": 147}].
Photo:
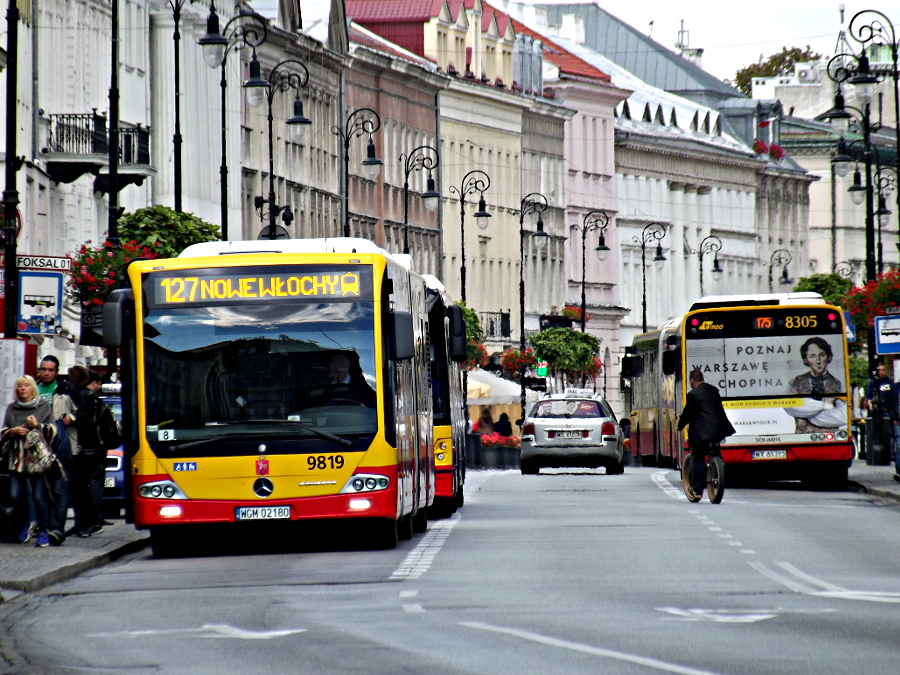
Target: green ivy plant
[{"x": 174, "y": 230}]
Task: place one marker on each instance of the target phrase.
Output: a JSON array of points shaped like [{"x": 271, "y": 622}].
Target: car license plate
[
  {"x": 769, "y": 454},
  {"x": 262, "y": 513},
  {"x": 109, "y": 482},
  {"x": 568, "y": 434}
]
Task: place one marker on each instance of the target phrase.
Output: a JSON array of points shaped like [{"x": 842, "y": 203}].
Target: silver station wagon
[{"x": 575, "y": 429}]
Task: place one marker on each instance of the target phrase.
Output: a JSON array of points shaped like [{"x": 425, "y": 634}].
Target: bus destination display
[
  {"x": 307, "y": 284},
  {"x": 775, "y": 321}
]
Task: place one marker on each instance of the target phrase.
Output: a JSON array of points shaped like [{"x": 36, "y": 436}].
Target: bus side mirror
[
  {"x": 457, "y": 334},
  {"x": 403, "y": 342},
  {"x": 114, "y": 313},
  {"x": 669, "y": 362},
  {"x": 627, "y": 369}
]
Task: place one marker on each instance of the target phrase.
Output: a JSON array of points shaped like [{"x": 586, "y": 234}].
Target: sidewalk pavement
[{"x": 25, "y": 568}]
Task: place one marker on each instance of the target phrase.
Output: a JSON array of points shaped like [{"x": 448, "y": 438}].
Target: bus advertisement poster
[
  {"x": 793, "y": 385},
  {"x": 40, "y": 302}
]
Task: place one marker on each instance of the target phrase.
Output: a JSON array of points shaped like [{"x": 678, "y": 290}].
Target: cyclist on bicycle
[{"x": 705, "y": 415}]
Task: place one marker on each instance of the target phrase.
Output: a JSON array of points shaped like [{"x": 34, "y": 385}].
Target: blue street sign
[
  {"x": 851, "y": 327},
  {"x": 887, "y": 334}
]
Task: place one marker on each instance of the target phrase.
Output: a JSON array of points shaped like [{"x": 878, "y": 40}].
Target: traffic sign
[
  {"x": 851, "y": 327},
  {"x": 887, "y": 334}
]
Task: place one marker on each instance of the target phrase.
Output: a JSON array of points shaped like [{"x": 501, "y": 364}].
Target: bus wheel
[
  {"x": 167, "y": 542},
  {"x": 383, "y": 533},
  {"x": 405, "y": 527},
  {"x": 420, "y": 521}
]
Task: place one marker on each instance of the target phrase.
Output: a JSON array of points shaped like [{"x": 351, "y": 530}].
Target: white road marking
[
  {"x": 413, "y": 609},
  {"x": 715, "y": 529},
  {"x": 408, "y": 594},
  {"x": 747, "y": 551},
  {"x": 828, "y": 590},
  {"x": 735, "y": 543},
  {"x": 587, "y": 649},
  {"x": 720, "y": 615},
  {"x": 207, "y": 630},
  {"x": 420, "y": 558}
]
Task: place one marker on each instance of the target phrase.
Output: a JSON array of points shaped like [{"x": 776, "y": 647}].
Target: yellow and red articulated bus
[
  {"x": 277, "y": 380},
  {"x": 448, "y": 350},
  {"x": 780, "y": 364}
]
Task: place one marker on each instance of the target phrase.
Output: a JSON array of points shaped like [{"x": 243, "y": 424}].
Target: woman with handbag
[{"x": 25, "y": 446}]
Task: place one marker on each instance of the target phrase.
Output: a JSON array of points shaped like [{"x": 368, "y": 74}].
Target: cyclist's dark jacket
[{"x": 705, "y": 415}]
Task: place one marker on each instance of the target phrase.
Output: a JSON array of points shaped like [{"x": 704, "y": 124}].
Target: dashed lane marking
[{"x": 420, "y": 558}]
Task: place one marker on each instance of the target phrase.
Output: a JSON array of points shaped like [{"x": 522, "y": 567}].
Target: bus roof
[
  {"x": 803, "y": 298},
  {"x": 325, "y": 245}
]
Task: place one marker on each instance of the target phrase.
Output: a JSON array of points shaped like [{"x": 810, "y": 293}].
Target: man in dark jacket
[{"x": 705, "y": 415}]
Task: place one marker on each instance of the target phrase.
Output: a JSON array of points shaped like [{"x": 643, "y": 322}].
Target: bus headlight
[
  {"x": 366, "y": 483},
  {"x": 162, "y": 489}
]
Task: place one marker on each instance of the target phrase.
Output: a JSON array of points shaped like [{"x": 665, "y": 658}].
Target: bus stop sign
[{"x": 887, "y": 335}]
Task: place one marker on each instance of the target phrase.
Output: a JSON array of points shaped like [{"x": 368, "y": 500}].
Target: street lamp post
[
  {"x": 359, "y": 122},
  {"x": 246, "y": 29},
  {"x": 13, "y": 164},
  {"x": 780, "y": 257},
  {"x": 176, "y": 6},
  {"x": 530, "y": 204},
  {"x": 593, "y": 220},
  {"x": 474, "y": 181},
  {"x": 651, "y": 232},
  {"x": 282, "y": 77},
  {"x": 711, "y": 244},
  {"x": 427, "y": 158}
]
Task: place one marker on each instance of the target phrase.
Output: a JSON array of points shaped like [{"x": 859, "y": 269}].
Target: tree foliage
[
  {"x": 781, "y": 63},
  {"x": 173, "y": 230},
  {"x": 832, "y": 287},
  {"x": 473, "y": 323},
  {"x": 566, "y": 351}
]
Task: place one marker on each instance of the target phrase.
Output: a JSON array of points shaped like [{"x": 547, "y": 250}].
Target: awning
[{"x": 485, "y": 388}]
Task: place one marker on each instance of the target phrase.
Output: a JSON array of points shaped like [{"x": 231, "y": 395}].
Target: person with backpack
[
  {"x": 89, "y": 466},
  {"x": 21, "y": 424}
]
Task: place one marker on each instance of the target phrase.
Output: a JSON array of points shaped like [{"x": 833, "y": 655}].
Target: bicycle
[{"x": 715, "y": 475}]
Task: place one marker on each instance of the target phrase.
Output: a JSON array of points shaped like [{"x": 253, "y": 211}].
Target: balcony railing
[
  {"x": 134, "y": 145},
  {"x": 78, "y": 134},
  {"x": 495, "y": 324}
]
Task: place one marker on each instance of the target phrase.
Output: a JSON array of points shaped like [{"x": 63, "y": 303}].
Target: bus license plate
[
  {"x": 263, "y": 513},
  {"x": 769, "y": 454},
  {"x": 568, "y": 434},
  {"x": 109, "y": 482}
]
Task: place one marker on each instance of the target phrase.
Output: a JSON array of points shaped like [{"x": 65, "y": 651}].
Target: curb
[
  {"x": 877, "y": 492},
  {"x": 69, "y": 571}
]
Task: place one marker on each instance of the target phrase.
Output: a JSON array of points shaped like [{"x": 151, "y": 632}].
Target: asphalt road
[{"x": 566, "y": 572}]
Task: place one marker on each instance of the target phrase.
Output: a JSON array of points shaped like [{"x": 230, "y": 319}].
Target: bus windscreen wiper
[{"x": 304, "y": 425}]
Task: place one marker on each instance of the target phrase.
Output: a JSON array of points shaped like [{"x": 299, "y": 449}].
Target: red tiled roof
[
  {"x": 563, "y": 59},
  {"x": 376, "y": 11}
]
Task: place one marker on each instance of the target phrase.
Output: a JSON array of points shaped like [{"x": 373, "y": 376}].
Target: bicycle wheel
[
  {"x": 686, "y": 478},
  {"x": 715, "y": 479}
]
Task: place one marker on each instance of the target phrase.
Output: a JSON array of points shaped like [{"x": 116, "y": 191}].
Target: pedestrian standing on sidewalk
[
  {"x": 59, "y": 394},
  {"x": 881, "y": 389},
  {"x": 28, "y": 411},
  {"x": 89, "y": 467}
]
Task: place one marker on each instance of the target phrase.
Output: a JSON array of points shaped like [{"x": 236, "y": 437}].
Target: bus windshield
[
  {"x": 259, "y": 368},
  {"x": 780, "y": 370}
]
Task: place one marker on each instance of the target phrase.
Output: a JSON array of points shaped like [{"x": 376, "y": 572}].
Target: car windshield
[{"x": 567, "y": 408}]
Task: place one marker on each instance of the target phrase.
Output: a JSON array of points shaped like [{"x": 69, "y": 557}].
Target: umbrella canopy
[{"x": 485, "y": 388}]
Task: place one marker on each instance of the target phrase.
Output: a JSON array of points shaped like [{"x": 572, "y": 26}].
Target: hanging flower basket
[
  {"x": 476, "y": 356},
  {"x": 760, "y": 147},
  {"x": 574, "y": 313},
  {"x": 96, "y": 271},
  {"x": 775, "y": 151},
  {"x": 514, "y": 362}
]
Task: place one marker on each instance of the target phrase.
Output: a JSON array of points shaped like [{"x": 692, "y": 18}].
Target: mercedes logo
[
  {"x": 262, "y": 447},
  {"x": 263, "y": 487}
]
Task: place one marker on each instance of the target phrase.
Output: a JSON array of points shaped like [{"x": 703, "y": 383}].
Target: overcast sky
[{"x": 734, "y": 33}]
